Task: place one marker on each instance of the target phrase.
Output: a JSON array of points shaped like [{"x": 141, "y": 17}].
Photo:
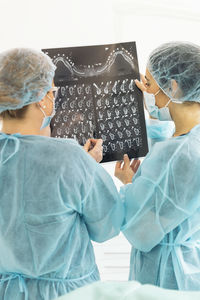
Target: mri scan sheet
[{"x": 98, "y": 98}]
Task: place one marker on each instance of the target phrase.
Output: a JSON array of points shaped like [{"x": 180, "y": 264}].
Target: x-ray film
[{"x": 98, "y": 98}]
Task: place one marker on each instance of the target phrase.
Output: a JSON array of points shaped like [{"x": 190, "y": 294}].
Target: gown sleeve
[
  {"x": 164, "y": 192},
  {"x": 102, "y": 209},
  {"x": 90, "y": 191}
]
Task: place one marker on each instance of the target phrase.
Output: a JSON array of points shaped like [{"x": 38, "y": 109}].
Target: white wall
[{"x": 61, "y": 23}]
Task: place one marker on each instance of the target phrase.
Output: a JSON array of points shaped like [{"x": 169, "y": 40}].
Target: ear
[
  {"x": 174, "y": 87},
  {"x": 41, "y": 103}
]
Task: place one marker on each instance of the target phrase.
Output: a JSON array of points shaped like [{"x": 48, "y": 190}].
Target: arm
[
  {"x": 102, "y": 209},
  {"x": 158, "y": 200}
]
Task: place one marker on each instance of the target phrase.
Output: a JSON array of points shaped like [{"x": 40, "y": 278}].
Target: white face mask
[
  {"x": 163, "y": 113},
  {"x": 47, "y": 119}
]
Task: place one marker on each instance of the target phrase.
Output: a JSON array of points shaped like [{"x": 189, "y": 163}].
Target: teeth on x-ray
[
  {"x": 67, "y": 130},
  {"x": 107, "y": 102},
  {"x": 88, "y": 103},
  {"x": 114, "y": 88},
  {"x": 122, "y": 87},
  {"x": 71, "y": 90},
  {"x": 126, "y": 122},
  {"x": 72, "y": 104},
  {"x": 100, "y": 115},
  {"x": 59, "y": 131},
  {"x": 135, "y": 121},
  {"x": 120, "y": 134},
  {"x": 103, "y": 137},
  {"x": 128, "y": 133},
  {"x": 136, "y": 131},
  {"x": 82, "y": 116},
  {"x": 112, "y": 136},
  {"x": 125, "y": 110},
  {"x": 90, "y": 116},
  {"x": 112, "y": 146},
  {"x": 80, "y": 104},
  {"x": 79, "y": 90},
  {"x": 102, "y": 126},
  {"x": 62, "y": 91},
  {"x": 133, "y": 108},
  {"x": 98, "y": 90},
  {"x": 131, "y": 85},
  {"x": 106, "y": 88},
  {"x": 64, "y": 105},
  {"x": 83, "y": 128},
  {"x": 124, "y": 99},
  {"x": 118, "y": 123},
  {"x": 115, "y": 100},
  {"x": 105, "y": 148},
  {"x": 121, "y": 145},
  {"x": 117, "y": 112},
  {"x": 99, "y": 102},
  {"x": 108, "y": 114},
  {"x": 65, "y": 118},
  {"x": 74, "y": 117},
  {"x": 57, "y": 119},
  {"x": 137, "y": 142},
  {"x": 129, "y": 143},
  {"x": 87, "y": 89}
]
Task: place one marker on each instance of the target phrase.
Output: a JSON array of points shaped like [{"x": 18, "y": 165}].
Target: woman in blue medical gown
[
  {"x": 54, "y": 197},
  {"x": 163, "y": 198}
]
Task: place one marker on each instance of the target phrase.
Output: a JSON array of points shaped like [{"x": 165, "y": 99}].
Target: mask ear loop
[
  {"x": 157, "y": 93},
  {"x": 168, "y": 103}
]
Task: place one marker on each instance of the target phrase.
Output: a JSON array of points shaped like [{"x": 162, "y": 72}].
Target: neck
[
  {"x": 185, "y": 117},
  {"x": 29, "y": 125},
  {"x": 23, "y": 127}
]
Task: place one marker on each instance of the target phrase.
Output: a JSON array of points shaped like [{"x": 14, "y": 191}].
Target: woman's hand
[
  {"x": 125, "y": 170},
  {"x": 142, "y": 85},
  {"x": 94, "y": 148}
]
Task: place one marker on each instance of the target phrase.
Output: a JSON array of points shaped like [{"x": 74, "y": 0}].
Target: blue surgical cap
[
  {"x": 179, "y": 61},
  {"x": 26, "y": 75}
]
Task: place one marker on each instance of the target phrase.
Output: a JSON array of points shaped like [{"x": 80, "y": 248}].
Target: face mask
[
  {"x": 47, "y": 119},
  {"x": 163, "y": 113}
]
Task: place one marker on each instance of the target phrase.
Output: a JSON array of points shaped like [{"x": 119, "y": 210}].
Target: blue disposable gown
[
  {"x": 158, "y": 130},
  {"x": 54, "y": 200},
  {"x": 163, "y": 214}
]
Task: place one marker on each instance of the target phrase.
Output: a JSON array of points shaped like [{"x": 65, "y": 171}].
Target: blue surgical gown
[
  {"x": 158, "y": 130},
  {"x": 54, "y": 200},
  {"x": 162, "y": 207}
]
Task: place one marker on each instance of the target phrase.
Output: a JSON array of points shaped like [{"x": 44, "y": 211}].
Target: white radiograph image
[{"x": 98, "y": 98}]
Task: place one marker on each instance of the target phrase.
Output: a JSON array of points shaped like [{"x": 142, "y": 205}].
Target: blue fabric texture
[
  {"x": 54, "y": 200},
  {"x": 158, "y": 130},
  {"x": 162, "y": 208}
]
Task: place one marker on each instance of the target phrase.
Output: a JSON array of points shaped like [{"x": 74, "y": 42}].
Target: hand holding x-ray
[
  {"x": 125, "y": 169},
  {"x": 94, "y": 148}
]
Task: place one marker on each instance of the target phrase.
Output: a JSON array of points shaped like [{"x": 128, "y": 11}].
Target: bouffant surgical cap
[
  {"x": 179, "y": 63},
  {"x": 26, "y": 75}
]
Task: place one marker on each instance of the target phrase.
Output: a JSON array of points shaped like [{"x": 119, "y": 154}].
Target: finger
[
  {"x": 118, "y": 164},
  {"x": 98, "y": 142},
  {"x": 87, "y": 145},
  {"x": 144, "y": 81},
  {"x": 126, "y": 161},
  {"x": 140, "y": 85},
  {"x": 135, "y": 165}
]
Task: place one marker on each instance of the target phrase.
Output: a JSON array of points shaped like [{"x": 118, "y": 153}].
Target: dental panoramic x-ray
[{"x": 98, "y": 98}]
